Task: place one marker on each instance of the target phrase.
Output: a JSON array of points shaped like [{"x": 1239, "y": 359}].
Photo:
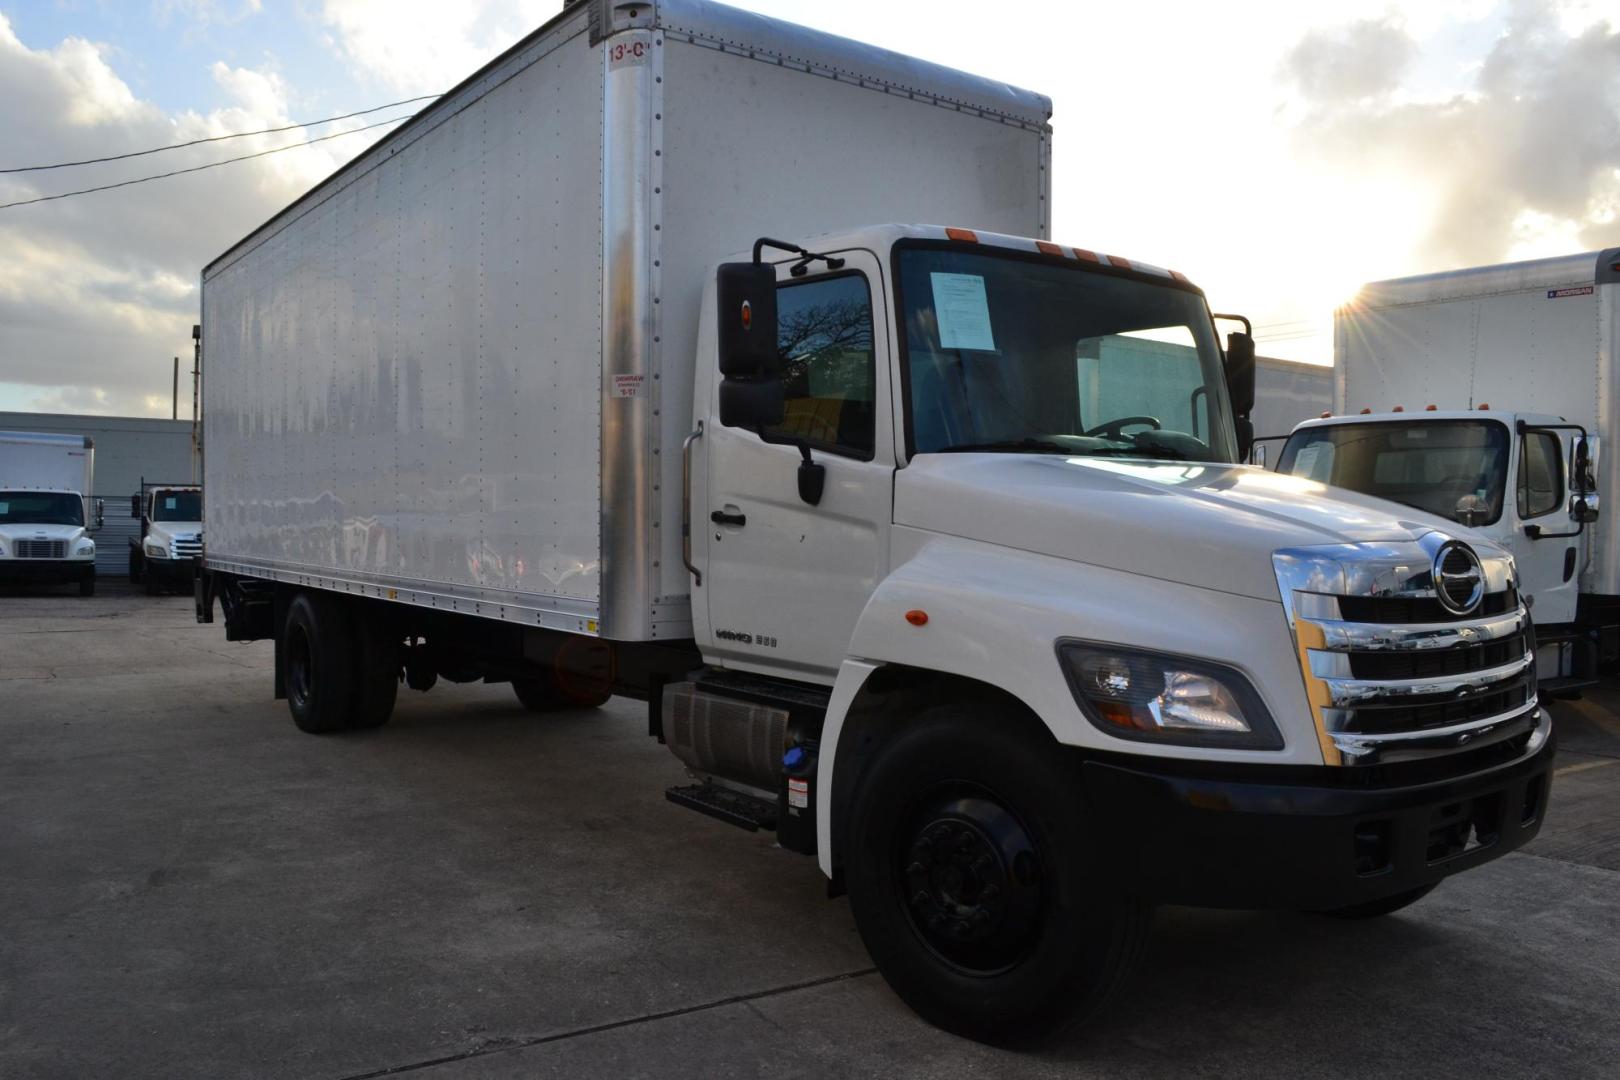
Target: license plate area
[{"x": 1459, "y": 828}]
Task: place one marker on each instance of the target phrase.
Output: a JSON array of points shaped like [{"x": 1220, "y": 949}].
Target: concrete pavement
[{"x": 190, "y": 887}]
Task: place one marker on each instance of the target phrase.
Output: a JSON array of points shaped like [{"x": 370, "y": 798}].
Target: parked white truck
[
  {"x": 170, "y": 541},
  {"x": 1485, "y": 396},
  {"x": 46, "y": 510},
  {"x": 926, "y": 545}
]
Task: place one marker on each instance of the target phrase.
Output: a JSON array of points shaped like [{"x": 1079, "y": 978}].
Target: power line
[
  {"x": 215, "y": 138},
  {"x": 199, "y": 168}
]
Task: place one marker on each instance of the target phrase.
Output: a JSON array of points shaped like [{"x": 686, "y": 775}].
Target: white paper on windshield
[
  {"x": 169, "y": 503},
  {"x": 4, "y": 507},
  {"x": 1305, "y": 461},
  {"x": 963, "y": 311}
]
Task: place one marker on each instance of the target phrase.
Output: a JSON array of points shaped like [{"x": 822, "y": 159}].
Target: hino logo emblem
[{"x": 1459, "y": 581}]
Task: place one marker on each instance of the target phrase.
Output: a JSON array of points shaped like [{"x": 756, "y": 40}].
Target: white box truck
[
  {"x": 46, "y": 512},
  {"x": 1485, "y": 395},
  {"x": 926, "y": 545}
]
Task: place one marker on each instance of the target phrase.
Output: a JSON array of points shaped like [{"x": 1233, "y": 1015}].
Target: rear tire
[
  {"x": 318, "y": 663},
  {"x": 376, "y": 672},
  {"x": 1374, "y": 909},
  {"x": 975, "y": 883}
]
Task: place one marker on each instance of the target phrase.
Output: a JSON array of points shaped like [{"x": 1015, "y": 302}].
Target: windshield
[
  {"x": 40, "y": 508},
  {"x": 1029, "y": 356},
  {"x": 1452, "y": 468},
  {"x": 177, "y": 506}
]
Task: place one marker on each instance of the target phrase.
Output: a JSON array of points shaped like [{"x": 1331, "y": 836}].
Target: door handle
[
  {"x": 686, "y": 505},
  {"x": 720, "y": 517}
]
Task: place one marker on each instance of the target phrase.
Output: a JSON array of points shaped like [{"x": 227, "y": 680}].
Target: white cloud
[
  {"x": 97, "y": 292},
  {"x": 426, "y": 46}
]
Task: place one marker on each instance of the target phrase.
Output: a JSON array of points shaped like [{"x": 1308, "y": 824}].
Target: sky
[{"x": 1278, "y": 153}]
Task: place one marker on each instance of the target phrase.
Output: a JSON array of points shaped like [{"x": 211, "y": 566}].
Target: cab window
[
  {"x": 824, "y": 337},
  {"x": 1541, "y": 474}
]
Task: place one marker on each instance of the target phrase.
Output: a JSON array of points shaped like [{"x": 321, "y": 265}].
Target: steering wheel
[{"x": 1112, "y": 429}]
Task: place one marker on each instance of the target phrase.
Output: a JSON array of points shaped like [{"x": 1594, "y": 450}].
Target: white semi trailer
[
  {"x": 1485, "y": 395},
  {"x": 46, "y": 512},
  {"x": 927, "y": 545}
]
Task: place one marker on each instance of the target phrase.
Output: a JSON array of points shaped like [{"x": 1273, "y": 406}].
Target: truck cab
[
  {"x": 1524, "y": 480},
  {"x": 170, "y": 542},
  {"x": 46, "y": 512}
]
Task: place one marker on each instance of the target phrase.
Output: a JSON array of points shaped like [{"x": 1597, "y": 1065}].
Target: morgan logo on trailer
[{"x": 1559, "y": 294}]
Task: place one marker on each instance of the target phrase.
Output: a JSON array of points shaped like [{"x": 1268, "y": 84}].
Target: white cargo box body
[
  {"x": 1536, "y": 336},
  {"x": 41, "y": 461},
  {"x": 458, "y": 373}
]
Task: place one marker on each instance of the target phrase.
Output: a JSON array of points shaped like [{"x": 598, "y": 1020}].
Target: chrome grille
[
  {"x": 41, "y": 549},
  {"x": 1391, "y": 674},
  {"x": 186, "y": 546}
]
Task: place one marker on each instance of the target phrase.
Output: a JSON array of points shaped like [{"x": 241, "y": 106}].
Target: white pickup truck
[
  {"x": 926, "y": 545},
  {"x": 46, "y": 512}
]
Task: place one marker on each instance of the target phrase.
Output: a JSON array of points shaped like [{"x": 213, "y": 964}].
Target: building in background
[{"x": 127, "y": 448}]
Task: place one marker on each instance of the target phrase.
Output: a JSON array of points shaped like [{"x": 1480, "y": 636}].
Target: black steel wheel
[
  {"x": 975, "y": 883},
  {"x": 318, "y": 664}
]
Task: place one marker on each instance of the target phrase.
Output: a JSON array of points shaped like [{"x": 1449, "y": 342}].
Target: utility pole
[
  {"x": 196, "y": 396},
  {"x": 174, "y": 413}
]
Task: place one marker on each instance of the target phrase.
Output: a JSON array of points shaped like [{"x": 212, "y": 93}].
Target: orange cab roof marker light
[
  {"x": 1431, "y": 408},
  {"x": 1398, "y": 408},
  {"x": 1366, "y": 412},
  {"x": 1123, "y": 264},
  {"x": 916, "y": 617},
  {"x": 1046, "y": 247},
  {"x": 965, "y": 235},
  {"x": 1086, "y": 256}
]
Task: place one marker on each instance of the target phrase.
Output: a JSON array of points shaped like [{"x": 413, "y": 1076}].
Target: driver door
[{"x": 784, "y": 580}]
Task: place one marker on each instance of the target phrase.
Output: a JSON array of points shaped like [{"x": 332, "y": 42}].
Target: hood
[
  {"x": 15, "y": 530},
  {"x": 167, "y": 530},
  {"x": 1207, "y": 525}
]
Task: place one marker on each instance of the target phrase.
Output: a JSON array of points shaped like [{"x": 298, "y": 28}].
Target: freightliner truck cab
[{"x": 985, "y": 491}]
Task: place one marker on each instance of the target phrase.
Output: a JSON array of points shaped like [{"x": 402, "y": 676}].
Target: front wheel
[
  {"x": 135, "y": 560},
  {"x": 976, "y": 884},
  {"x": 87, "y": 585}
]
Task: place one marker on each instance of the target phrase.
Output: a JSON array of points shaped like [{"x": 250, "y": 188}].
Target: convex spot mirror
[{"x": 751, "y": 391}]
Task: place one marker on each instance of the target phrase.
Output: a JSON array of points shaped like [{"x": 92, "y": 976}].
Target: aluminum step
[{"x": 731, "y": 807}]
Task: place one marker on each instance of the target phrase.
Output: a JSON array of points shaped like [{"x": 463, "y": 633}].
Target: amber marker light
[
  {"x": 916, "y": 617},
  {"x": 963, "y": 234}
]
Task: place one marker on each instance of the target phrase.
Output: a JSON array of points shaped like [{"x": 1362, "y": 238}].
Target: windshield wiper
[{"x": 1009, "y": 446}]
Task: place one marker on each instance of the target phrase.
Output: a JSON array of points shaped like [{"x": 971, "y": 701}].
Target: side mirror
[
  {"x": 1257, "y": 454},
  {"x": 135, "y": 506},
  {"x": 751, "y": 391},
  {"x": 101, "y": 512},
  {"x": 1584, "y": 509},
  {"x": 1240, "y": 372}
]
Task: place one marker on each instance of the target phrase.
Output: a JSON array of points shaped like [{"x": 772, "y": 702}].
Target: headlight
[
  {"x": 156, "y": 551},
  {"x": 1135, "y": 694},
  {"x": 87, "y": 547}
]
